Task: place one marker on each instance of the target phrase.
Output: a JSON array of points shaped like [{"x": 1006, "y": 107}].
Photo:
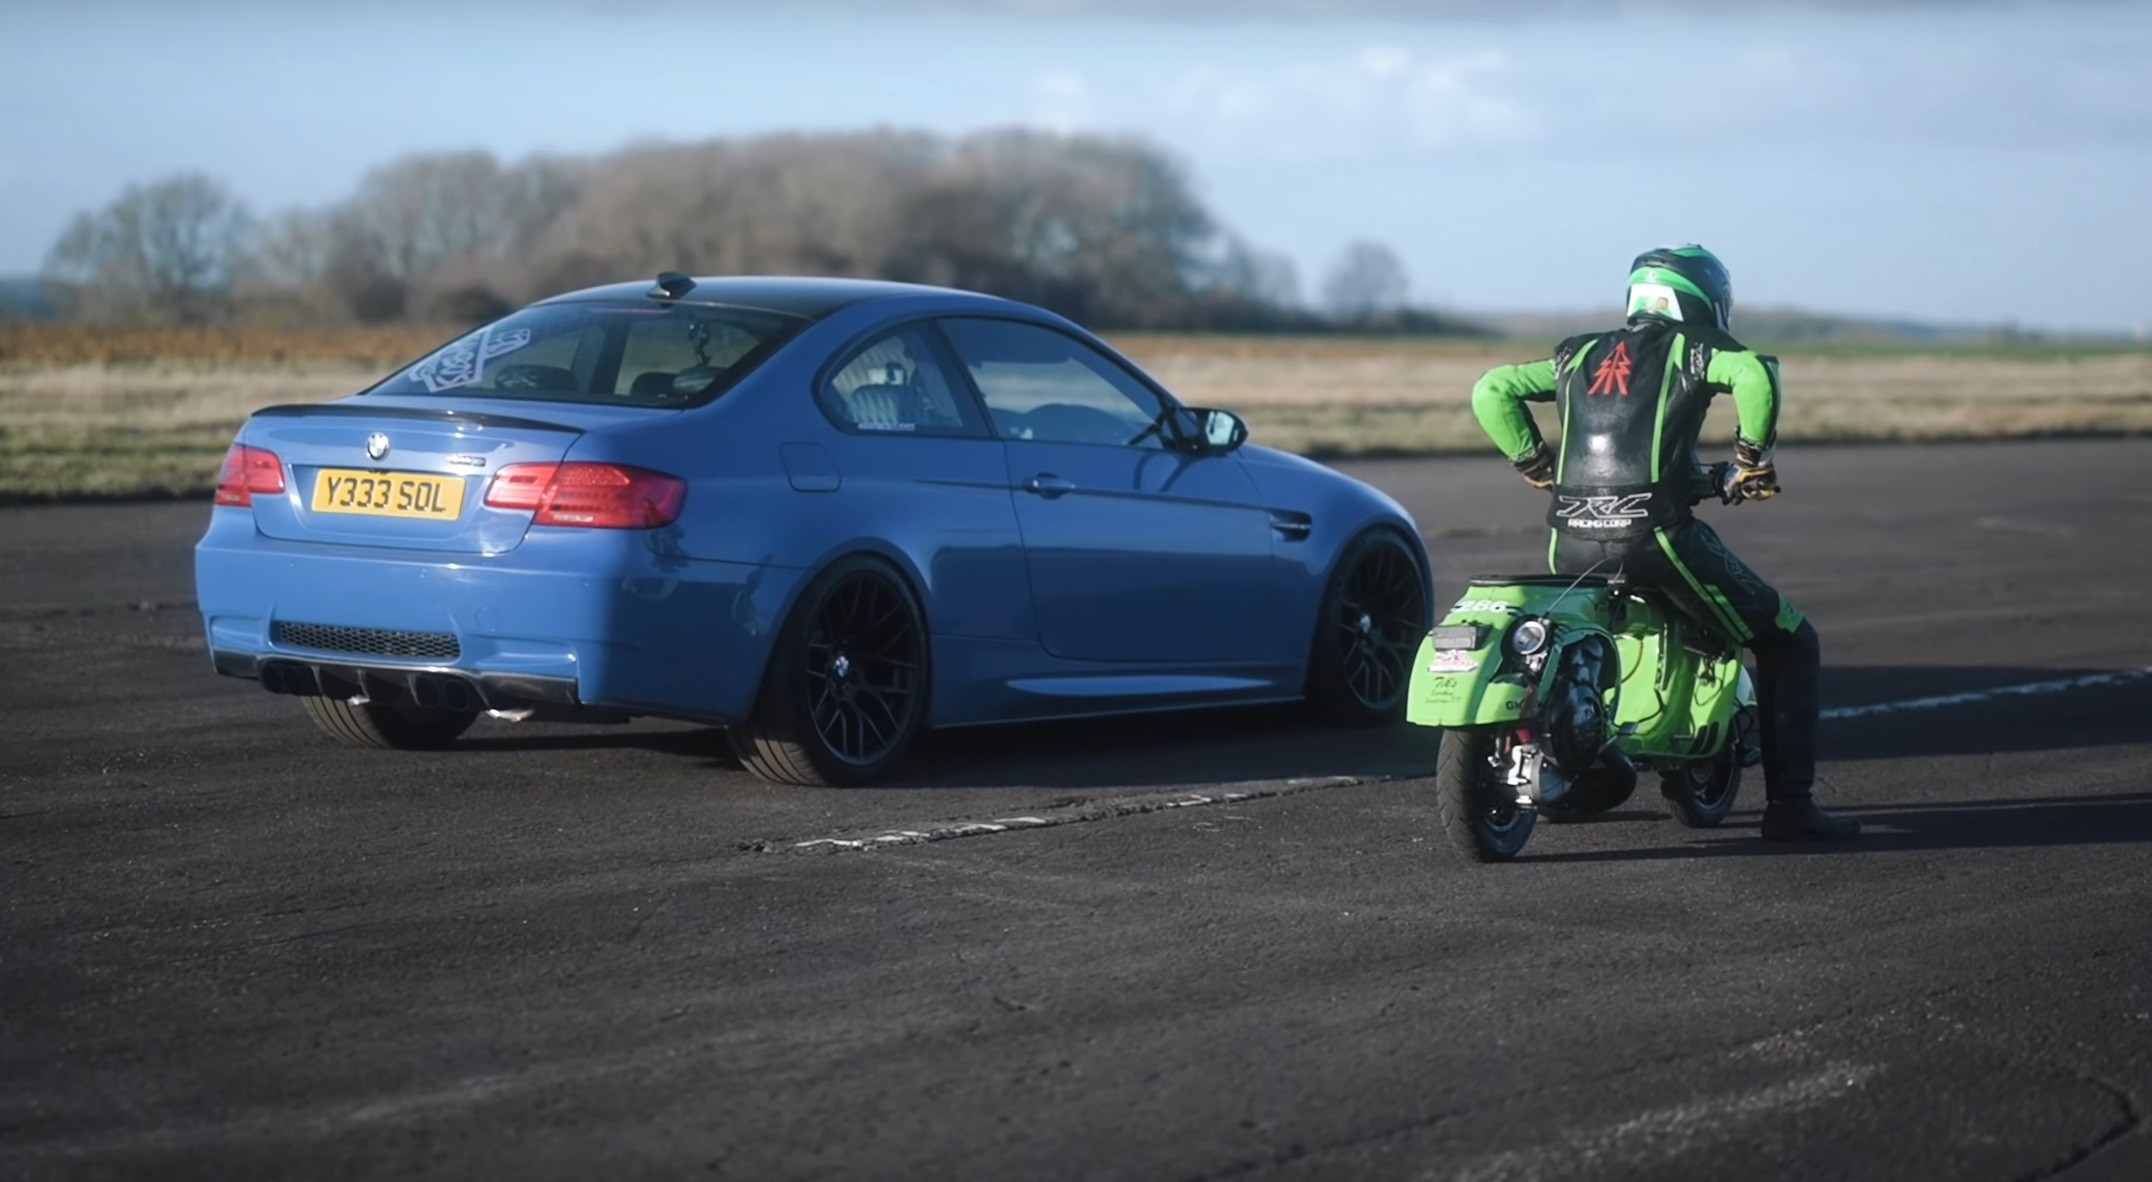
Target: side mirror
[{"x": 1213, "y": 432}]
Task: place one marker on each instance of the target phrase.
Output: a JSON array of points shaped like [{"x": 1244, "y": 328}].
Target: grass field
[{"x": 86, "y": 412}]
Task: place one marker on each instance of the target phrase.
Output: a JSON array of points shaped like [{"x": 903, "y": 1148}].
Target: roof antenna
[{"x": 671, "y": 286}]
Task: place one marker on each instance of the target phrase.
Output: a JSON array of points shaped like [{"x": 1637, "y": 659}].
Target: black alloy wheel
[
  {"x": 846, "y": 690},
  {"x": 862, "y": 668},
  {"x": 1374, "y": 617}
]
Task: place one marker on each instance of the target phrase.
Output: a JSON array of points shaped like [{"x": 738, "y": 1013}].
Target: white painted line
[
  {"x": 1655, "y": 1137},
  {"x": 1128, "y": 806},
  {"x": 1090, "y": 810},
  {"x": 2030, "y": 689}
]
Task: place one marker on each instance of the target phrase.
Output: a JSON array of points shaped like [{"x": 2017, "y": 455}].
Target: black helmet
[{"x": 1682, "y": 283}]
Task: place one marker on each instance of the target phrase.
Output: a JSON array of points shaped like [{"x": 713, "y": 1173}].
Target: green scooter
[{"x": 1554, "y": 692}]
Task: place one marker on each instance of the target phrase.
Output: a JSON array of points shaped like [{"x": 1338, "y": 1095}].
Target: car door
[
  {"x": 1136, "y": 551},
  {"x": 916, "y": 466}
]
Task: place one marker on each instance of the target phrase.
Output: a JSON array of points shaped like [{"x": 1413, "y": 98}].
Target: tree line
[{"x": 1106, "y": 230}]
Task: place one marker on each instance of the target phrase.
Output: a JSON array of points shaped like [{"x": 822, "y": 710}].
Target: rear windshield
[{"x": 615, "y": 352}]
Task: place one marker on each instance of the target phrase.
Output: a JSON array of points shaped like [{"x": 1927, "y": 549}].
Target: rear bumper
[
  {"x": 609, "y": 618},
  {"x": 311, "y": 676}
]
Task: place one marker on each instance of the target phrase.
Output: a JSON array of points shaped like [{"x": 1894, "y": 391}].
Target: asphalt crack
[{"x": 2130, "y": 1120}]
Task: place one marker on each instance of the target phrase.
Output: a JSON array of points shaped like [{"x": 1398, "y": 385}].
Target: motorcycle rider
[{"x": 1631, "y": 402}]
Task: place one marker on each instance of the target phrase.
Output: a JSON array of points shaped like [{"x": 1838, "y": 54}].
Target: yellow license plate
[{"x": 388, "y": 494}]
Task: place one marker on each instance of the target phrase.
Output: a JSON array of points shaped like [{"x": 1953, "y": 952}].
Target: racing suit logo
[
  {"x": 1604, "y": 512},
  {"x": 1612, "y": 376}
]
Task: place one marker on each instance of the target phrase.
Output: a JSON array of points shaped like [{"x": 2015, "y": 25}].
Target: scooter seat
[{"x": 1541, "y": 580}]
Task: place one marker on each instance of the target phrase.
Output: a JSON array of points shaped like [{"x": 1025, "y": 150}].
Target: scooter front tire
[{"x": 1480, "y": 813}]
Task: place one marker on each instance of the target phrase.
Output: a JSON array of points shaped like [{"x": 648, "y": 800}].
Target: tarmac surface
[{"x": 1219, "y": 945}]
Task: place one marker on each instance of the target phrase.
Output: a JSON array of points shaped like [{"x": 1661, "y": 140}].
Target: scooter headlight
[{"x": 1528, "y": 637}]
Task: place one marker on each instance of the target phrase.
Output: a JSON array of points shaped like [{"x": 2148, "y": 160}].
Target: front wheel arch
[{"x": 1330, "y": 685}]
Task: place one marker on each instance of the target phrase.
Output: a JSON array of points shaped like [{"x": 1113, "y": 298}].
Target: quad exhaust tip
[
  {"x": 440, "y": 691},
  {"x": 285, "y": 678}
]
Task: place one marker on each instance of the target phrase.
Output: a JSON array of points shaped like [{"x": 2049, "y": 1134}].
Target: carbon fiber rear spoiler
[{"x": 307, "y": 410}]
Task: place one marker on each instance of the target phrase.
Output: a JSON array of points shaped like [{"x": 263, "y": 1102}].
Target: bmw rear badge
[{"x": 377, "y": 446}]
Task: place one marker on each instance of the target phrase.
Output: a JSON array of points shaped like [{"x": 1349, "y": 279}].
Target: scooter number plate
[{"x": 1457, "y": 636}]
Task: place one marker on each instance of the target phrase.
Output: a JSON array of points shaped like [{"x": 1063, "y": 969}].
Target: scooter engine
[
  {"x": 1537, "y": 782},
  {"x": 1573, "y": 718}
]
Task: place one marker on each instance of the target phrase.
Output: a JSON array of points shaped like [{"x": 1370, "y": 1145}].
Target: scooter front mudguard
[
  {"x": 1455, "y": 686},
  {"x": 1463, "y": 676}
]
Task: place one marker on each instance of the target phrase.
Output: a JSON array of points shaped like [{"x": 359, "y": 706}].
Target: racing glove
[
  {"x": 1538, "y": 468},
  {"x": 1751, "y": 477}
]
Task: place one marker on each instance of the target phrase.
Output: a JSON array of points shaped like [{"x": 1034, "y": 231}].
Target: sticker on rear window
[{"x": 464, "y": 362}]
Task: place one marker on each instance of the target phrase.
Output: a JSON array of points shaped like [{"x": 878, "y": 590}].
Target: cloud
[
  {"x": 1456, "y": 101},
  {"x": 1391, "y": 11},
  {"x": 1377, "y": 99},
  {"x": 1062, "y": 101},
  {"x": 2065, "y": 89},
  {"x": 1399, "y": 11}
]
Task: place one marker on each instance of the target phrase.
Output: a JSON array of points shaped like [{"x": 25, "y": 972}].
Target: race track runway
[{"x": 229, "y": 949}]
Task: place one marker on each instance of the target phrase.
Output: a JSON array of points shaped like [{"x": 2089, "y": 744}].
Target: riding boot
[{"x": 1788, "y": 667}]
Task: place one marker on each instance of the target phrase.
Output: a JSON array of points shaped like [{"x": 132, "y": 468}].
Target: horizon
[{"x": 1495, "y": 148}]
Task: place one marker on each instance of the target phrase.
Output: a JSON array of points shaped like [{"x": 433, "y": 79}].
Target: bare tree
[
  {"x": 169, "y": 250},
  {"x": 442, "y": 233},
  {"x": 1104, "y": 229},
  {"x": 421, "y": 210},
  {"x": 291, "y": 251},
  {"x": 1367, "y": 281},
  {"x": 1258, "y": 276},
  {"x": 1101, "y": 229},
  {"x": 284, "y": 277}
]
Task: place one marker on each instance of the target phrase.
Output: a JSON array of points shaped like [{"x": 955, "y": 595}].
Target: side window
[
  {"x": 1043, "y": 385},
  {"x": 896, "y": 385}
]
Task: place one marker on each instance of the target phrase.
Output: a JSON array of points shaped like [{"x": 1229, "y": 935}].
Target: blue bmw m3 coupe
[{"x": 822, "y": 514}]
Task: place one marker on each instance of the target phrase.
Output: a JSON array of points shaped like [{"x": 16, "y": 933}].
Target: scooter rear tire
[{"x": 1703, "y": 793}]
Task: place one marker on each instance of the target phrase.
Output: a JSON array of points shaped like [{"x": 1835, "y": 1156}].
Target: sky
[{"x": 1966, "y": 162}]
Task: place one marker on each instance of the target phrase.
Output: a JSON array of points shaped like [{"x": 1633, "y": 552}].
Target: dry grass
[
  {"x": 1358, "y": 396},
  {"x": 25, "y": 344},
  {"x": 88, "y": 412},
  {"x": 140, "y": 430}
]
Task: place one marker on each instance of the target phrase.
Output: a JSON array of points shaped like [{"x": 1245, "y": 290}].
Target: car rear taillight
[
  {"x": 590, "y": 495},
  {"x": 249, "y": 470}
]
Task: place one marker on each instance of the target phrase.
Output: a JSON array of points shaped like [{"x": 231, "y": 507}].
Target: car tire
[
  {"x": 388, "y": 725},
  {"x": 1374, "y": 614},
  {"x": 846, "y": 690}
]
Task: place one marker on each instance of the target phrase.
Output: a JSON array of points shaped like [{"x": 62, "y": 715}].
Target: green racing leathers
[{"x": 1631, "y": 403}]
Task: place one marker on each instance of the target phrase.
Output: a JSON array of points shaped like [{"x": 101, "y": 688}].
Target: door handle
[{"x": 1048, "y": 485}]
